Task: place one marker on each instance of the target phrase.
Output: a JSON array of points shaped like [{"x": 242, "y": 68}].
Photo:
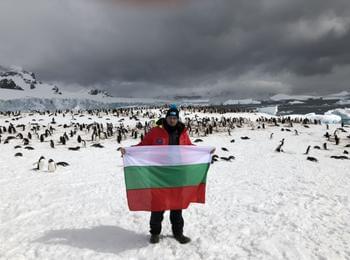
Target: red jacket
[{"x": 159, "y": 136}]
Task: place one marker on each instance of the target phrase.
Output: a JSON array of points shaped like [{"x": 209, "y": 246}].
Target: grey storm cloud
[{"x": 208, "y": 47}]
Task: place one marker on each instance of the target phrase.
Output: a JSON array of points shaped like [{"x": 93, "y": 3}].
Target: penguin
[
  {"x": 245, "y": 138},
  {"x": 307, "y": 150},
  {"x": 97, "y": 145},
  {"x": 337, "y": 139},
  {"x": 62, "y": 140},
  {"x": 227, "y": 158},
  {"x": 198, "y": 140},
  {"x": 341, "y": 157},
  {"x": 232, "y": 141},
  {"x": 279, "y": 147},
  {"x": 51, "y": 166},
  {"x": 271, "y": 135},
  {"x": 325, "y": 146},
  {"x": 213, "y": 160},
  {"x": 312, "y": 159},
  {"x": 25, "y": 141},
  {"x": 215, "y": 156},
  {"x": 224, "y": 149},
  {"x": 52, "y": 144},
  {"x": 317, "y": 147},
  {"x": 74, "y": 148},
  {"x": 18, "y": 154},
  {"x": 64, "y": 164},
  {"x": 40, "y": 164}
]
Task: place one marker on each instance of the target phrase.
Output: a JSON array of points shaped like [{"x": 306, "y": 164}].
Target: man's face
[{"x": 171, "y": 120}]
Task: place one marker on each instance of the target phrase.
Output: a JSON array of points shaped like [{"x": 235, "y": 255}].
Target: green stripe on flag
[{"x": 144, "y": 177}]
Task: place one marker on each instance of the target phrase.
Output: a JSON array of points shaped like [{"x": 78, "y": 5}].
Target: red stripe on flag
[{"x": 159, "y": 199}]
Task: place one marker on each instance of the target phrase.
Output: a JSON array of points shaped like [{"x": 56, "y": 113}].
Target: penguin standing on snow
[
  {"x": 40, "y": 163},
  {"x": 51, "y": 166}
]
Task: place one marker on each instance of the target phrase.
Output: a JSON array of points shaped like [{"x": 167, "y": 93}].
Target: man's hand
[
  {"x": 212, "y": 151},
  {"x": 122, "y": 150}
]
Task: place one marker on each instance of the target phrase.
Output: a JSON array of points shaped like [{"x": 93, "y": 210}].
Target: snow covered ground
[{"x": 262, "y": 205}]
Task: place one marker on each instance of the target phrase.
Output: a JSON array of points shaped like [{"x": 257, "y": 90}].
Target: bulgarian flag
[{"x": 165, "y": 177}]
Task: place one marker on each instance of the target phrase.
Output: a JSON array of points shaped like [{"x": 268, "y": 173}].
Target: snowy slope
[{"x": 262, "y": 205}]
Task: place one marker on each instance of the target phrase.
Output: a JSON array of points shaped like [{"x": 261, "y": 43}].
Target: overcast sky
[{"x": 236, "y": 48}]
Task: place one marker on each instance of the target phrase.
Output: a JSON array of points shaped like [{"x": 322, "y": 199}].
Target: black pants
[{"x": 177, "y": 222}]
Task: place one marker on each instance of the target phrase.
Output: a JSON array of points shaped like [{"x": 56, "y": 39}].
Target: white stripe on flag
[{"x": 158, "y": 155}]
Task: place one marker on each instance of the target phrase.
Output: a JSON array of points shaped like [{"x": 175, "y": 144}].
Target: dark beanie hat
[{"x": 173, "y": 111}]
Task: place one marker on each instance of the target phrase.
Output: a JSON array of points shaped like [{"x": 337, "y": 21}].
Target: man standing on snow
[{"x": 169, "y": 131}]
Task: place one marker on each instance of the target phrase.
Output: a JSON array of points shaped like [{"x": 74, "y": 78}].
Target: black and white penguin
[
  {"x": 312, "y": 159},
  {"x": 97, "y": 145},
  {"x": 25, "y": 141},
  {"x": 40, "y": 164},
  {"x": 308, "y": 149},
  {"x": 52, "y": 144},
  {"x": 279, "y": 147},
  {"x": 51, "y": 166},
  {"x": 228, "y": 159},
  {"x": 77, "y": 148},
  {"x": 325, "y": 146},
  {"x": 64, "y": 164},
  {"x": 336, "y": 139}
]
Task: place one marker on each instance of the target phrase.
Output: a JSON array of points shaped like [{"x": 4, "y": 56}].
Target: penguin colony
[{"x": 75, "y": 136}]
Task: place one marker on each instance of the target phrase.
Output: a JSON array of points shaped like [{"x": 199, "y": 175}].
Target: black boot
[
  {"x": 154, "y": 239},
  {"x": 182, "y": 239}
]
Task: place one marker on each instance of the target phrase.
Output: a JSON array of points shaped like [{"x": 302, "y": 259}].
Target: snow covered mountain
[
  {"x": 344, "y": 95},
  {"x": 21, "y": 90}
]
